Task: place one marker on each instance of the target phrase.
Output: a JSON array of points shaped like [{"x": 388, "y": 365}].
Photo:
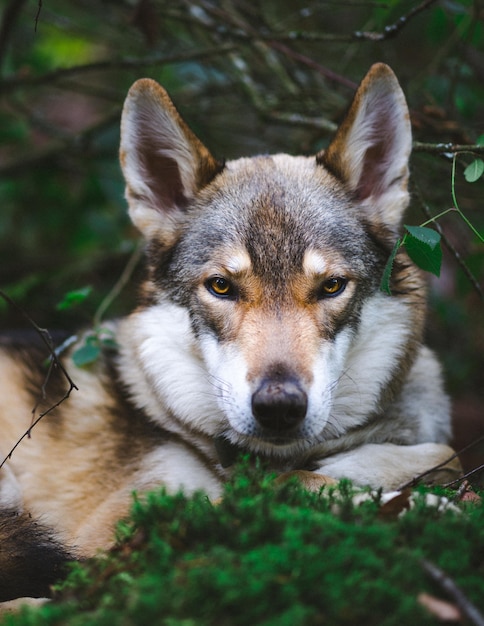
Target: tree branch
[
  {"x": 446, "y": 148},
  {"x": 9, "y": 17},
  {"x": 240, "y": 30},
  {"x": 15, "y": 82},
  {"x": 53, "y": 364},
  {"x": 314, "y": 65},
  {"x": 448, "y": 585},
  {"x": 450, "y": 247},
  {"x": 393, "y": 30},
  {"x": 416, "y": 479},
  {"x": 468, "y": 474},
  {"x": 72, "y": 143}
]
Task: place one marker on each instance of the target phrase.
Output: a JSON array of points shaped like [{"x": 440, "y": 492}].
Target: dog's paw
[{"x": 309, "y": 480}]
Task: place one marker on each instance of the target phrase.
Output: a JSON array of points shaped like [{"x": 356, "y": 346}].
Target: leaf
[
  {"x": 474, "y": 171},
  {"x": 423, "y": 247},
  {"x": 426, "y": 235},
  {"x": 444, "y": 611},
  {"x": 387, "y": 272},
  {"x": 88, "y": 353},
  {"x": 111, "y": 344},
  {"x": 73, "y": 298}
]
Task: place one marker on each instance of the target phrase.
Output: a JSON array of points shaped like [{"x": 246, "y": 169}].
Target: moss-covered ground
[{"x": 274, "y": 555}]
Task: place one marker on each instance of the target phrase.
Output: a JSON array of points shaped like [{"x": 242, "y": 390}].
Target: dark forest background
[{"x": 249, "y": 77}]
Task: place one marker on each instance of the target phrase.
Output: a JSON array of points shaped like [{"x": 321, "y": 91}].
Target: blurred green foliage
[
  {"x": 274, "y": 555},
  {"x": 248, "y": 77}
]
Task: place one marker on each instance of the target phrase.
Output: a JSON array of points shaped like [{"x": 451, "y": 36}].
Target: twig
[
  {"x": 245, "y": 31},
  {"x": 240, "y": 31},
  {"x": 305, "y": 60},
  {"x": 455, "y": 253},
  {"x": 449, "y": 586},
  {"x": 54, "y": 363},
  {"x": 120, "y": 283},
  {"x": 37, "y": 15},
  {"x": 465, "y": 476},
  {"x": 72, "y": 143},
  {"x": 393, "y": 29},
  {"x": 113, "y": 64},
  {"x": 456, "y": 204},
  {"x": 296, "y": 119},
  {"x": 446, "y": 148},
  {"x": 10, "y": 14},
  {"x": 416, "y": 479},
  {"x": 34, "y": 423}
]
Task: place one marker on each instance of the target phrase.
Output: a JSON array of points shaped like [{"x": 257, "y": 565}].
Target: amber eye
[
  {"x": 220, "y": 287},
  {"x": 332, "y": 287}
]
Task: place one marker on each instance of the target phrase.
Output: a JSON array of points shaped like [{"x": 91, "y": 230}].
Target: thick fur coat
[{"x": 261, "y": 329}]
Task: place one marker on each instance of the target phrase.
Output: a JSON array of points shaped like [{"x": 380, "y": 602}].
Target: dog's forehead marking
[
  {"x": 323, "y": 263},
  {"x": 314, "y": 263},
  {"x": 233, "y": 260},
  {"x": 237, "y": 261}
]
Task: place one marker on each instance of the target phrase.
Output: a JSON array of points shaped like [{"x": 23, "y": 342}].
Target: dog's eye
[
  {"x": 220, "y": 287},
  {"x": 332, "y": 287}
]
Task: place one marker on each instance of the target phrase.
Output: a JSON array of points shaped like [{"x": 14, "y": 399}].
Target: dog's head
[{"x": 276, "y": 262}]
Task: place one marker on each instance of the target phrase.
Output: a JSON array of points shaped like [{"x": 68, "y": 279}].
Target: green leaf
[
  {"x": 88, "y": 353},
  {"x": 474, "y": 170},
  {"x": 423, "y": 247},
  {"x": 387, "y": 272},
  {"x": 109, "y": 343},
  {"x": 428, "y": 236},
  {"x": 73, "y": 298}
]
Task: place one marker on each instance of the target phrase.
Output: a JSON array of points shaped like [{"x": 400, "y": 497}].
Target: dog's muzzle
[{"x": 279, "y": 405}]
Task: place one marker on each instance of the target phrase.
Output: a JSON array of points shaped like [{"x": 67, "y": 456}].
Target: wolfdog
[{"x": 261, "y": 330}]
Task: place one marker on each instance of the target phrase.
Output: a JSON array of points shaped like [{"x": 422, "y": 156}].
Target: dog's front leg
[{"x": 389, "y": 466}]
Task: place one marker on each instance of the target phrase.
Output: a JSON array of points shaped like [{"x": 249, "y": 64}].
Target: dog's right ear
[{"x": 163, "y": 162}]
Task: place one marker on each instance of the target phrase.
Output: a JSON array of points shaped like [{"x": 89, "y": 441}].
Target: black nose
[{"x": 279, "y": 405}]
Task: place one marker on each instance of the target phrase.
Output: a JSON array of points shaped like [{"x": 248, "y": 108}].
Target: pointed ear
[
  {"x": 370, "y": 151},
  {"x": 163, "y": 162}
]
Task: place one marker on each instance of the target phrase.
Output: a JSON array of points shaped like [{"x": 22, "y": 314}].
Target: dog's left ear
[
  {"x": 164, "y": 163},
  {"x": 370, "y": 151}
]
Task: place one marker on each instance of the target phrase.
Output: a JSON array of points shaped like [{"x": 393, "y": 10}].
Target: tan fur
[{"x": 81, "y": 485}]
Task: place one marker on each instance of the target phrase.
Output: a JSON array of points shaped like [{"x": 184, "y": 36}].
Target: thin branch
[
  {"x": 120, "y": 283},
  {"x": 54, "y": 363},
  {"x": 28, "y": 432},
  {"x": 449, "y": 586},
  {"x": 455, "y": 253},
  {"x": 246, "y": 31},
  {"x": 37, "y": 15},
  {"x": 446, "y": 148},
  {"x": 314, "y": 65},
  {"x": 73, "y": 143},
  {"x": 456, "y": 204},
  {"x": 394, "y": 29},
  {"x": 296, "y": 119},
  {"x": 416, "y": 479},
  {"x": 465, "y": 476},
  {"x": 15, "y": 82},
  {"x": 241, "y": 32},
  {"x": 9, "y": 16}
]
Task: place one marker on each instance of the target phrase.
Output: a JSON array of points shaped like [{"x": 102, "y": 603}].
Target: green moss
[{"x": 272, "y": 555}]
